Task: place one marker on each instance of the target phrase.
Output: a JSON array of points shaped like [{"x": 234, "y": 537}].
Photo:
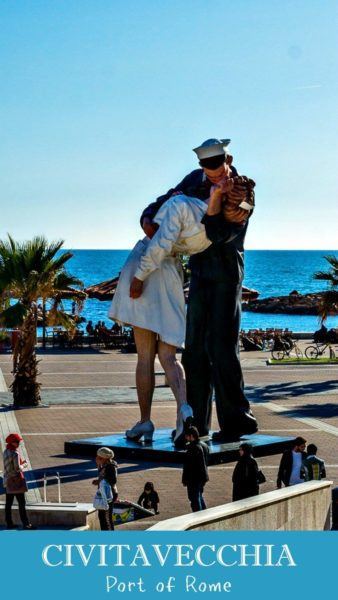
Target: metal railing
[{"x": 51, "y": 478}]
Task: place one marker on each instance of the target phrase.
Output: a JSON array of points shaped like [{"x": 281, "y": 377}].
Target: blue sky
[{"x": 102, "y": 101}]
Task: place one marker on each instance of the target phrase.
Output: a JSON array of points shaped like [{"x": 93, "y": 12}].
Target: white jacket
[{"x": 180, "y": 232}]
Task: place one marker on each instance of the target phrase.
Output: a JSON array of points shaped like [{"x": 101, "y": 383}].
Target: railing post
[{"x": 51, "y": 478}]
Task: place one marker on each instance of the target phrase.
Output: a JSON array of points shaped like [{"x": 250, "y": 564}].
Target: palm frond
[
  {"x": 332, "y": 260},
  {"x": 328, "y": 305},
  {"x": 14, "y": 315},
  {"x": 323, "y": 275},
  {"x": 33, "y": 270},
  {"x": 66, "y": 281},
  {"x": 60, "y": 318},
  {"x": 57, "y": 263},
  {"x": 331, "y": 276}
]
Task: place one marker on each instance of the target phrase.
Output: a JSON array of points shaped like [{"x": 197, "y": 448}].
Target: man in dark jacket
[
  {"x": 291, "y": 470},
  {"x": 211, "y": 358},
  {"x": 195, "y": 469},
  {"x": 245, "y": 477},
  {"x": 313, "y": 465}
]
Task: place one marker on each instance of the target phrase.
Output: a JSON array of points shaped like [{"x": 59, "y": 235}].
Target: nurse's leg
[
  {"x": 174, "y": 371},
  {"x": 176, "y": 378},
  {"x": 146, "y": 343}
]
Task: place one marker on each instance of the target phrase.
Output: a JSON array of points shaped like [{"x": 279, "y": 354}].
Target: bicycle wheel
[
  {"x": 277, "y": 354},
  {"x": 311, "y": 352},
  {"x": 299, "y": 353}
]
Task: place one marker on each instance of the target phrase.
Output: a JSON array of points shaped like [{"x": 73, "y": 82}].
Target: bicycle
[
  {"x": 314, "y": 351},
  {"x": 284, "y": 349}
]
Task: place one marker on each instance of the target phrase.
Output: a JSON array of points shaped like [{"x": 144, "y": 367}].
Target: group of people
[
  {"x": 106, "y": 495},
  {"x": 205, "y": 217},
  {"x": 325, "y": 335},
  {"x": 258, "y": 339},
  {"x": 297, "y": 465},
  {"x": 246, "y": 477},
  {"x": 100, "y": 329},
  {"x": 300, "y": 464}
]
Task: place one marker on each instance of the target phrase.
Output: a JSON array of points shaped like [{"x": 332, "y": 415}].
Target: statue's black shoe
[
  {"x": 243, "y": 424},
  {"x": 246, "y": 423},
  {"x": 225, "y": 436}
]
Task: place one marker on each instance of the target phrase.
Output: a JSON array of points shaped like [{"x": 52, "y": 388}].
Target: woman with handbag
[
  {"x": 106, "y": 493},
  {"x": 14, "y": 481},
  {"x": 247, "y": 476}
]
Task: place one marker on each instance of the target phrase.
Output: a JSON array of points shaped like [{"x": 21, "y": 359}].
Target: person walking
[
  {"x": 195, "y": 470},
  {"x": 14, "y": 481},
  {"x": 106, "y": 483},
  {"x": 314, "y": 466},
  {"x": 247, "y": 475},
  {"x": 291, "y": 470}
]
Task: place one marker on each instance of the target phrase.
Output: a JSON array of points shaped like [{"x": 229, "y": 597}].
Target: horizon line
[{"x": 245, "y": 250}]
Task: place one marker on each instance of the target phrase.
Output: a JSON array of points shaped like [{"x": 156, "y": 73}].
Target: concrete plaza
[{"x": 89, "y": 393}]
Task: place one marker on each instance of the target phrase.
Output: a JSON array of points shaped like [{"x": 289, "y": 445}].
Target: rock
[{"x": 293, "y": 304}]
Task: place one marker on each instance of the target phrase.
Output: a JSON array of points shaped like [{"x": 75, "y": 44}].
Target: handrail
[{"x": 51, "y": 478}]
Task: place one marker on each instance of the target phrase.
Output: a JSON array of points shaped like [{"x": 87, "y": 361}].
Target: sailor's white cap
[{"x": 212, "y": 147}]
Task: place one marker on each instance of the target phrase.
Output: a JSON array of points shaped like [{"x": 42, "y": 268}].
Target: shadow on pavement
[
  {"x": 325, "y": 411},
  {"x": 291, "y": 389},
  {"x": 83, "y": 471}
]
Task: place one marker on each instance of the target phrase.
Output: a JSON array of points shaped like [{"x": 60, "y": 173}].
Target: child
[
  {"x": 107, "y": 490},
  {"x": 149, "y": 498},
  {"x": 14, "y": 481}
]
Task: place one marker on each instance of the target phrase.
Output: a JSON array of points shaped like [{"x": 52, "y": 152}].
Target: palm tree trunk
[
  {"x": 25, "y": 387},
  {"x": 44, "y": 324}
]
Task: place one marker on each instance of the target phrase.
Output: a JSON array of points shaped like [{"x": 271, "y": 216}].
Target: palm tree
[
  {"x": 30, "y": 272},
  {"x": 329, "y": 302}
]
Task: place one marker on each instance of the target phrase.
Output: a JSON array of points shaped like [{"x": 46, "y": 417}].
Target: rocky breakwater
[{"x": 293, "y": 304}]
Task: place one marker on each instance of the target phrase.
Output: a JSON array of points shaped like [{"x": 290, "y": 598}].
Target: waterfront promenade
[{"x": 90, "y": 393}]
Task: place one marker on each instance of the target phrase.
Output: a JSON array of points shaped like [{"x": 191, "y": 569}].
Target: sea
[{"x": 270, "y": 272}]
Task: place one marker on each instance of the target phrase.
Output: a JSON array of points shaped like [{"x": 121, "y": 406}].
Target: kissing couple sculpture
[{"x": 206, "y": 217}]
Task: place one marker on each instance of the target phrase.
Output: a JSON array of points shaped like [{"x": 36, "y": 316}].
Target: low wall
[
  {"x": 300, "y": 507},
  {"x": 50, "y": 514}
]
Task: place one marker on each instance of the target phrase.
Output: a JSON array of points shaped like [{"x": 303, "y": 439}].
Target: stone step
[{"x": 55, "y": 515}]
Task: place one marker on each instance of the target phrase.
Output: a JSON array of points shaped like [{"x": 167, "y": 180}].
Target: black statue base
[{"x": 162, "y": 448}]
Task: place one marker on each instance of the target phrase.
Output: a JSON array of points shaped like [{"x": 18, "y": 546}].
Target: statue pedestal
[{"x": 163, "y": 450}]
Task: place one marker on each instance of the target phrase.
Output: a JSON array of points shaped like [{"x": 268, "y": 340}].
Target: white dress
[{"x": 161, "y": 307}]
